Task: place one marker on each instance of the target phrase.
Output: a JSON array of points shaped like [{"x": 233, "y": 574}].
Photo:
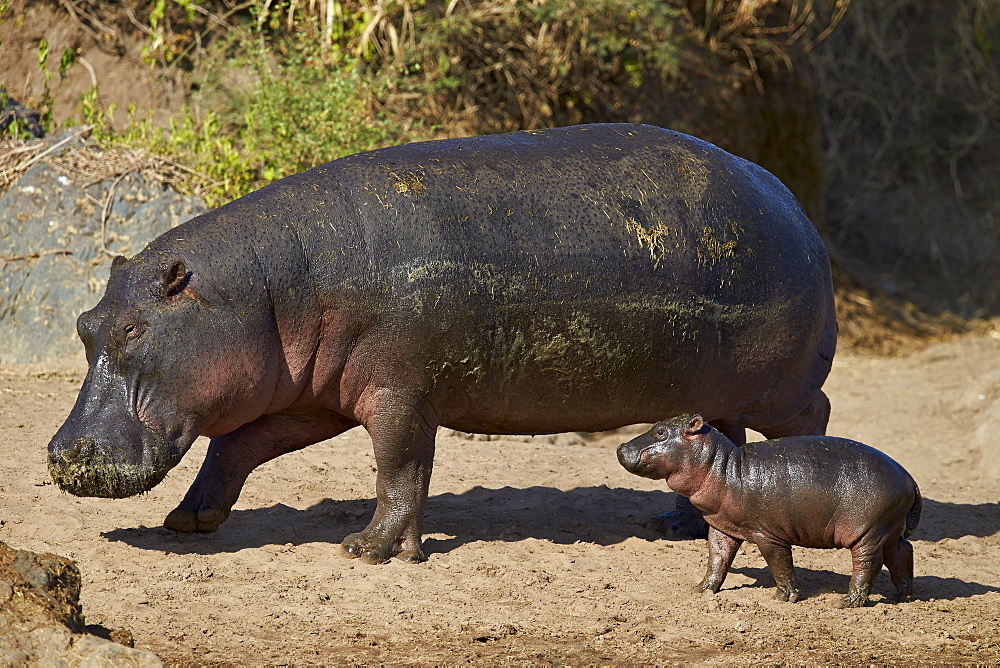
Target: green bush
[
  {"x": 305, "y": 106},
  {"x": 307, "y": 109}
]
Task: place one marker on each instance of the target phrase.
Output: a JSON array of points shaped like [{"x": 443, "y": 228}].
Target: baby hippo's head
[{"x": 664, "y": 448}]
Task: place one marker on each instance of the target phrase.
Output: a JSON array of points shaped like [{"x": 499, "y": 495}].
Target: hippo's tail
[{"x": 913, "y": 516}]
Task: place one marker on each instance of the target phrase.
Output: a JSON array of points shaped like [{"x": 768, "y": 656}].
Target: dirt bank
[{"x": 537, "y": 549}]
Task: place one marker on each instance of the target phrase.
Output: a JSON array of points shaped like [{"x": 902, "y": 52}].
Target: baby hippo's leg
[
  {"x": 898, "y": 556},
  {"x": 779, "y": 561},
  {"x": 867, "y": 561},
  {"x": 721, "y": 552}
]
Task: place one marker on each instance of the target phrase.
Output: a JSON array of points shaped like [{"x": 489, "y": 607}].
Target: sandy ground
[{"x": 538, "y": 550}]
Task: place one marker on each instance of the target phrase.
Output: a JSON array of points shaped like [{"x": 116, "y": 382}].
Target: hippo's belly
[{"x": 508, "y": 359}]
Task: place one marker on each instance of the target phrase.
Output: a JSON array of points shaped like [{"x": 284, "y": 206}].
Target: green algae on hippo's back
[{"x": 574, "y": 279}]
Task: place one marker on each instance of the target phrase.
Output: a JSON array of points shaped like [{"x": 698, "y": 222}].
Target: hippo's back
[
  {"x": 637, "y": 206},
  {"x": 604, "y": 274}
]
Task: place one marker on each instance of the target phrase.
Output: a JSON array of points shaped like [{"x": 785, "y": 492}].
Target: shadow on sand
[
  {"x": 816, "y": 582},
  {"x": 598, "y": 515}
]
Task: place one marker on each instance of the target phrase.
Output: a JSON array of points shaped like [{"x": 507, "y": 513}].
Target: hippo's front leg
[
  {"x": 402, "y": 435},
  {"x": 722, "y": 550},
  {"x": 232, "y": 457}
]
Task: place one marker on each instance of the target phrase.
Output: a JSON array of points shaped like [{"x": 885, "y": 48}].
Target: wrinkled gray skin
[
  {"x": 816, "y": 491},
  {"x": 577, "y": 279}
]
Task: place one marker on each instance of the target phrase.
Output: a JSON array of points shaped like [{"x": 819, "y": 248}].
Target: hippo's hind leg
[
  {"x": 403, "y": 438},
  {"x": 685, "y": 521},
  {"x": 810, "y": 422},
  {"x": 898, "y": 557},
  {"x": 867, "y": 561},
  {"x": 722, "y": 549},
  {"x": 779, "y": 561},
  {"x": 232, "y": 457}
]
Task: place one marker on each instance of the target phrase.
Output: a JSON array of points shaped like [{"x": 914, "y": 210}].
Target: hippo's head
[
  {"x": 170, "y": 357},
  {"x": 665, "y": 448}
]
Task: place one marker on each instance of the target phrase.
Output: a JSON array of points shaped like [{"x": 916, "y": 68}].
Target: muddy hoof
[
  {"x": 182, "y": 520},
  {"x": 675, "y": 525},
  {"x": 357, "y": 546}
]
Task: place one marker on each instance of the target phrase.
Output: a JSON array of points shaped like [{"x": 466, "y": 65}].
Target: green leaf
[
  {"x": 43, "y": 52},
  {"x": 66, "y": 62}
]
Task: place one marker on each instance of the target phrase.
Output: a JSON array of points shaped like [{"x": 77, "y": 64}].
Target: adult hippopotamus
[
  {"x": 580, "y": 278},
  {"x": 813, "y": 491}
]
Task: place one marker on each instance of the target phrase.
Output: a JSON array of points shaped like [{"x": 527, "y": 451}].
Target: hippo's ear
[
  {"x": 116, "y": 264},
  {"x": 696, "y": 425},
  {"x": 175, "y": 278}
]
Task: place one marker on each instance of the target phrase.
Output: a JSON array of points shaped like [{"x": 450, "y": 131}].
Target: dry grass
[
  {"x": 85, "y": 164},
  {"x": 910, "y": 104},
  {"x": 495, "y": 65}
]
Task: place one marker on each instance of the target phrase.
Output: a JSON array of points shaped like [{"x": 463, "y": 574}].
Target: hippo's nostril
[
  {"x": 79, "y": 449},
  {"x": 82, "y": 447}
]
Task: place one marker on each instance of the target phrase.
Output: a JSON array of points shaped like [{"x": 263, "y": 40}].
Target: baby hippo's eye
[{"x": 661, "y": 432}]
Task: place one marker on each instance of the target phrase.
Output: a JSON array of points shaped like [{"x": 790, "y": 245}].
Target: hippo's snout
[
  {"x": 80, "y": 448},
  {"x": 109, "y": 464},
  {"x": 629, "y": 457},
  {"x": 105, "y": 448},
  {"x": 83, "y": 468}
]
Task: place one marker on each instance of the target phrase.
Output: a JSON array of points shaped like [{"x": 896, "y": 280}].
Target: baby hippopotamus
[{"x": 813, "y": 491}]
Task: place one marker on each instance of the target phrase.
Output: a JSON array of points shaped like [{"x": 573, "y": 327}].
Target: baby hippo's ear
[{"x": 696, "y": 426}]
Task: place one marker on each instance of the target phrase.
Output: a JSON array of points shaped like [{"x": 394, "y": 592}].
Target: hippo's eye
[
  {"x": 661, "y": 432},
  {"x": 131, "y": 331}
]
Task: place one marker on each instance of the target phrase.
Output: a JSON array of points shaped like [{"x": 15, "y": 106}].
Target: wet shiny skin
[
  {"x": 575, "y": 279},
  {"x": 818, "y": 491}
]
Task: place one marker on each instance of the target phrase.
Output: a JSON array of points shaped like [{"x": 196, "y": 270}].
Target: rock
[
  {"x": 41, "y": 621},
  {"x": 12, "y": 111},
  {"x": 57, "y": 240}
]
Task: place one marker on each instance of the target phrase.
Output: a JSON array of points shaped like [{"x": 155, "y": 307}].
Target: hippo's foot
[
  {"x": 679, "y": 525},
  {"x": 702, "y": 588},
  {"x": 854, "y": 599},
  {"x": 183, "y": 519},
  {"x": 787, "y": 593},
  {"x": 376, "y": 550}
]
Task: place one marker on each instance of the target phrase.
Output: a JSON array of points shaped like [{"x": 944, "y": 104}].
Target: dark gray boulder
[
  {"x": 13, "y": 112},
  {"x": 57, "y": 239}
]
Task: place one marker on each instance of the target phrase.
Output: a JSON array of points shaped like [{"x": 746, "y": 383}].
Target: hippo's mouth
[
  {"x": 84, "y": 469},
  {"x": 639, "y": 459}
]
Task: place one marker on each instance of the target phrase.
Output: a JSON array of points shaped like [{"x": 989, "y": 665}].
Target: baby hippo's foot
[
  {"x": 679, "y": 525},
  {"x": 854, "y": 599},
  {"x": 786, "y": 593},
  {"x": 703, "y": 587}
]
